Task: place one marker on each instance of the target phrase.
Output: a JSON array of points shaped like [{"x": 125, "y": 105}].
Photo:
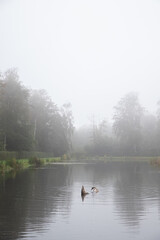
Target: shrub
[
  {"x": 155, "y": 161},
  {"x": 2, "y": 167},
  {"x": 14, "y": 164},
  {"x": 65, "y": 157},
  {"x": 37, "y": 162}
]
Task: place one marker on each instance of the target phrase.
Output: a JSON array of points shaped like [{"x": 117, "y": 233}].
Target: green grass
[{"x": 18, "y": 164}]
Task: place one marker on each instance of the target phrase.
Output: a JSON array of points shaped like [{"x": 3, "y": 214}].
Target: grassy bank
[{"x": 18, "y": 164}]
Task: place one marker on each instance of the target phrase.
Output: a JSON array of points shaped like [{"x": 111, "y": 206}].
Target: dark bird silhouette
[{"x": 83, "y": 193}]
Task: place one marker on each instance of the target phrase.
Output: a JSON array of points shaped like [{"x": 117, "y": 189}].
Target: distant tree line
[
  {"x": 30, "y": 120},
  {"x": 134, "y": 132}
]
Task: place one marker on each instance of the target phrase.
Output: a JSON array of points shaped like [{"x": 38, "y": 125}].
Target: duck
[
  {"x": 94, "y": 189},
  {"x": 83, "y": 191}
]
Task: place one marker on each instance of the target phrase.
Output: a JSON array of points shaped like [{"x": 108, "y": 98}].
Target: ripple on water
[{"x": 46, "y": 203}]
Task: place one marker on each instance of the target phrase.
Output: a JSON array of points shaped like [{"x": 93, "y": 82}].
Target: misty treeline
[
  {"x": 30, "y": 120},
  {"x": 134, "y": 132}
]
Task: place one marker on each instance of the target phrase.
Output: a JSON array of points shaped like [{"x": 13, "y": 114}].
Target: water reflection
[
  {"x": 30, "y": 198},
  {"x": 37, "y": 202},
  {"x": 135, "y": 191}
]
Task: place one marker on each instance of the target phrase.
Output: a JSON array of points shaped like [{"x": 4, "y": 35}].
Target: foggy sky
[{"x": 90, "y": 53}]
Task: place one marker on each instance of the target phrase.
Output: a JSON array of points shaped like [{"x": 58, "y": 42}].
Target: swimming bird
[
  {"x": 94, "y": 189},
  {"x": 83, "y": 192}
]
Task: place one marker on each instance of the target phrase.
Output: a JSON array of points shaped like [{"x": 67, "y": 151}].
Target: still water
[{"x": 45, "y": 203}]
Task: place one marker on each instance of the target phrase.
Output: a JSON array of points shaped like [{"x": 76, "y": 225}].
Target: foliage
[
  {"x": 2, "y": 167},
  {"x": 51, "y": 132},
  {"x": 14, "y": 114},
  {"x": 100, "y": 140},
  {"x": 14, "y": 164},
  {"x": 65, "y": 157},
  {"x": 30, "y": 121},
  {"x": 31, "y": 124},
  {"x": 37, "y": 162},
  {"x": 155, "y": 161},
  {"x": 135, "y": 132},
  {"x": 67, "y": 123},
  {"x": 127, "y": 123},
  {"x": 150, "y": 142},
  {"x": 11, "y": 164}
]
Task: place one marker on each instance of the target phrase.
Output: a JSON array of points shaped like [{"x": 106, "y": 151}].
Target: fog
[{"x": 88, "y": 53}]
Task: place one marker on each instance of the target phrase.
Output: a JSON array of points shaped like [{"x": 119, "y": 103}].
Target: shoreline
[{"x": 7, "y": 166}]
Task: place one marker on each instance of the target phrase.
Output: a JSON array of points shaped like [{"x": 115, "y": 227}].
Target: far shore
[{"x": 19, "y": 164}]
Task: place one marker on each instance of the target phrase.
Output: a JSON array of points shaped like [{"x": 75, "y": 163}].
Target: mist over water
[
  {"x": 50, "y": 206},
  {"x": 88, "y": 53},
  {"x": 80, "y": 80}
]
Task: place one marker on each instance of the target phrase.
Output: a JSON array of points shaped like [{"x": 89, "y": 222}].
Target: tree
[
  {"x": 158, "y": 125},
  {"x": 29, "y": 120},
  {"x": 100, "y": 140},
  {"x": 14, "y": 113},
  {"x": 67, "y": 123},
  {"x": 51, "y": 128},
  {"x": 127, "y": 123},
  {"x": 149, "y": 144},
  {"x": 42, "y": 112}
]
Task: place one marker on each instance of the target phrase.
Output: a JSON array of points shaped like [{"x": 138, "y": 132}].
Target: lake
[{"x": 46, "y": 203}]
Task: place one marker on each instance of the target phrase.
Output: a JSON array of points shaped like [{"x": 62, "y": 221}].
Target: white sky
[{"x": 90, "y": 53}]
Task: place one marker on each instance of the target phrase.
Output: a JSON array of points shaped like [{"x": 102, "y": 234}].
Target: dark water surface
[{"x": 46, "y": 203}]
